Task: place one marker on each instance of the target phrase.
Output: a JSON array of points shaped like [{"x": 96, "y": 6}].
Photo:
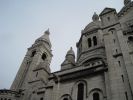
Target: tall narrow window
[
  {"x": 116, "y": 51},
  {"x": 96, "y": 96},
  {"x": 36, "y": 74},
  {"x": 89, "y": 42},
  {"x": 126, "y": 95},
  {"x": 131, "y": 26},
  {"x": 122, "y": 78},
  {"x": 95, "y": 40},
  {"x": 119, "y": 63},
  {"x": 80, "y": 95},
  {"x": 41, "y": 98},
  {"x": 114, "y": 40}
]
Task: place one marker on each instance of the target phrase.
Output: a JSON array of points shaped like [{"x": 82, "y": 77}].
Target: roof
[
  {"x": 45, "y": 38},
  {"x": 124, "y": 10},
  {"x": 107, "y": 10}
]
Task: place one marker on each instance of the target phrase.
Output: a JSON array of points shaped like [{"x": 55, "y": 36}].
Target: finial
[
  {"x": 47, "y": 31},
  {"x": 126, "y": 2},
  {"x": 95, "y": 17}
]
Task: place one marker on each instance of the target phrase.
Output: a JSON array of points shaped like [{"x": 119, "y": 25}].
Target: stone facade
[{"x": 102, "y": 70}]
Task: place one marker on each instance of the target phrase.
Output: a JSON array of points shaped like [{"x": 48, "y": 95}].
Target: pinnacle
[
  {"x": 47, "y": 32},
  {"x": 95, "y": 17}
]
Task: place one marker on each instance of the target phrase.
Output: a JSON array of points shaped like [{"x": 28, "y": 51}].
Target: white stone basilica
[{"x": 103, "y": 69}]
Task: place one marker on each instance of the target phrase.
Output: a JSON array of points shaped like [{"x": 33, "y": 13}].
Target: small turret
[
  {"x": 95, "y": 17},
  {"x": 71, "y": 55},
  {"x": 36, "y": 65},
  {"x": 69, "y": 61}
]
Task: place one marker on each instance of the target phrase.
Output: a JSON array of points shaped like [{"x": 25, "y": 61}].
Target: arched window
[
  {"x": 89, "y": 42},
  {"x": 80, "y": 94},
  {"x": 33, "y": 53},
  {"x": 43, "y": 56},
  {"x": 41, "y": 98},
  {"x": 95, "y": 40},
  {"x": 65, "y": 99},
  {"x": 96, "y": 96}
]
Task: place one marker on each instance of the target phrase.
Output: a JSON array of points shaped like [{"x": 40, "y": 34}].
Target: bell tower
[{"x": 35, "y": 68}]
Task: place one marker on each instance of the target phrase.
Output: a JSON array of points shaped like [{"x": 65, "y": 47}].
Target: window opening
[
  {"x": 112, "y": 32},
  {"x": 44, "y": 56},
  {"x": 41, "y": 98},
  {"x": 119, "y": 63},
  {"x": 89, "y": 42},
  {"x": 96, "y": 96},
  {"x": 65, "y": 99},
  {"x": 33, "y": 53},
  {"x": 126, "y": 95},
  {"x": 80, "y": 94},
  {"x": 95, "y": 40},
  {"x": 116, "y": 51},
  {"x": 122, "y": 78},
  {"x": 114, "y": 40},
  {"x": 36, "y": 74},
  {"x": 131, "y": 26},
  {"x": 108, "y": 18},
  {"x": 130, "y": 38}
]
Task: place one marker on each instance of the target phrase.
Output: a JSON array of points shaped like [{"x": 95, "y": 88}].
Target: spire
[
  {"x": 126, "y": 2},
  {"x": 45, "y": 38},
  {"x": 47, "y": 31},
  {"x": 95, "y": 17}
]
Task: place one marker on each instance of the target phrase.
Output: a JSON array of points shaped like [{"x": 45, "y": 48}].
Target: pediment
[{"x": 107, "y": 10}]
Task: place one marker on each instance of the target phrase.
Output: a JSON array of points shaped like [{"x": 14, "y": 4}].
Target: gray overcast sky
[{"x": 23, "y": 21}]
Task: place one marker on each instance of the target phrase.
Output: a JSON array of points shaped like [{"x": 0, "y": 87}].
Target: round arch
[
  {"x": 74, "y": 90},
  {"x": 96, "y": 93},
  {"x": 66, "y": 97}
]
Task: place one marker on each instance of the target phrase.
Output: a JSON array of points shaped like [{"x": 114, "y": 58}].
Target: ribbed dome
[
  {"x": 93, "y": 25},
  {"x": 45, "y": 38}
]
